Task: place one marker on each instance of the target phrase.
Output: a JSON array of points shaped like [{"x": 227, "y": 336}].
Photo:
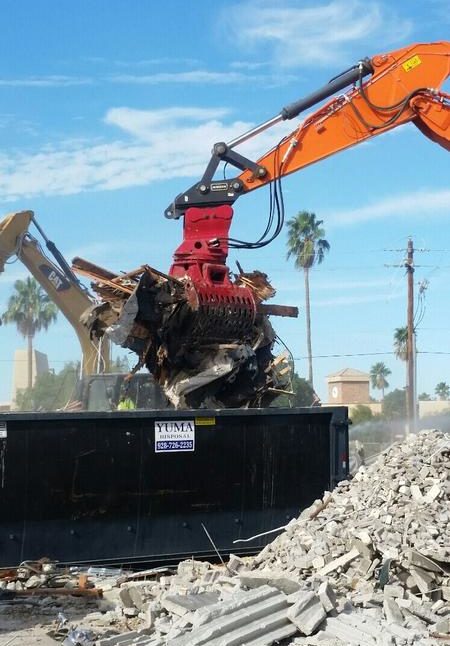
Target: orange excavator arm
[{"x": 404, "y": 86}]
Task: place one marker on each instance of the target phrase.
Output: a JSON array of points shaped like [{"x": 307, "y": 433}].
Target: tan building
[
  {"x": 348, "y": 386},
  {"x": 20, "y": 370}
]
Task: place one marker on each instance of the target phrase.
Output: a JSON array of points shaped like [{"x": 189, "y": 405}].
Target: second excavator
[{"x": 204, "y": 333}]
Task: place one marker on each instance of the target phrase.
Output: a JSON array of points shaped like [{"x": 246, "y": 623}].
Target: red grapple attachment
[{"x": 224, "y": 311}]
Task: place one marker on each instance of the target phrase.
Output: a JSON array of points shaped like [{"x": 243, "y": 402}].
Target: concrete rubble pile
[{"x": 368, "y": 565}]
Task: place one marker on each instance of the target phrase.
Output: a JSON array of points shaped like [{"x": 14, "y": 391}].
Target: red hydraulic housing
[{"x": 224, "y": 309}]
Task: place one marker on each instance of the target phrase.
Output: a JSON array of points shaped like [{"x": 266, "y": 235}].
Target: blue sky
[{"x": 109, "y": 109}]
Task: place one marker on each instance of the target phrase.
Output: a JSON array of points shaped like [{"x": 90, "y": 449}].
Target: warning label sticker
[
  {"x": 205, "y": 421},
  {"x": 174, "y": 436}
]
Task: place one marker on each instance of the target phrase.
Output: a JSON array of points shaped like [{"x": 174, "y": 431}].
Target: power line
[{"x": 367, "y": 354}]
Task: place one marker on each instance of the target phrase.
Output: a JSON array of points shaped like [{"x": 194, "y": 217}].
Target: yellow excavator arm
[{"x": 58, "y": 281}]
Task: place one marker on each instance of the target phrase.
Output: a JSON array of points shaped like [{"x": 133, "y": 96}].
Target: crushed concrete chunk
[
  {"x": 424, "y": 580},
  {"x": 347, "y": 633},
  {"x": 418, "y": 559},
  {"x": 180, "y": 604},
  {"x": 307, "y": 613},
  {"x": 392, "y": 612},
  {"x": 327, "y": 596},
  {"x": 433, "y": 493},
  {"x": 341, "y": 561}
]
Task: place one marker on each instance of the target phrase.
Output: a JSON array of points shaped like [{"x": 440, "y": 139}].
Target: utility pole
[{"x": 411, "y": 349}]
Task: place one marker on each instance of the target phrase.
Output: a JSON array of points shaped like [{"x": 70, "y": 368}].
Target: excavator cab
[{"x": 102, "y": 392}]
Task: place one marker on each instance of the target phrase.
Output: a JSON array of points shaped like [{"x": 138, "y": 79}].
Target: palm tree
[
  {"x": 307, "y": 245},
  {"x": 31, "y": 310},
  {"x": 401, "y": 343},
  {"x": 378, "y": 373},
  {"x": 442, "y": 390}
]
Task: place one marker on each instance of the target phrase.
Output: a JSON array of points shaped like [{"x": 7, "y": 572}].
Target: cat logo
[{"x": 59, "y": 282}]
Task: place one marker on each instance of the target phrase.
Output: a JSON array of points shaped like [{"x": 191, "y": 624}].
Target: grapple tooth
[{"x": 222, "y": 313}]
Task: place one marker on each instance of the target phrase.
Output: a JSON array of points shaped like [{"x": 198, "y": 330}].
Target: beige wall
[
  {"x": 20, "y": 370},
  {"x": 433, "y": 408},
  {"x": 425, "y": 408},
  {"x": 348, "y": 392}
]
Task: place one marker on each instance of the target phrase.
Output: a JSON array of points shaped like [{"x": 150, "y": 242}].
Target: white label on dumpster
[
  {"x": 3, "y": 430},
  {"x": 174, "y": 436}
]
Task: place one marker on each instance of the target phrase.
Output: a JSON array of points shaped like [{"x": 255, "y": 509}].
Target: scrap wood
[
  {"x": 88, "y": 268},
  {"x": 320, "y": 508},
  {"x": 144, "y": 574},
  {"x": 258, "y": 282},
  {"x": 152, "y": 270},
  {"x": 277, "y": 310},
  {"x": 8, "y": 574},
  {"x": 135, "y": 273}
]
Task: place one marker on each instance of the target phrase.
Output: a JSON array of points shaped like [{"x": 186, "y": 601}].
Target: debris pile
[
  {"x": 44, "y": 578},
  {"x": 205, "y": 345},
  {"x": 368, "y": 565}
]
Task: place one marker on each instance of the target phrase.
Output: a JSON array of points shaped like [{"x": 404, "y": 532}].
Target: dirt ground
[{"x": 25, "y": 622}]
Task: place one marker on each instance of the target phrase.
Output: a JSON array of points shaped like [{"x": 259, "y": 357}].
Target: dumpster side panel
[{"x": 83, "y": 487}]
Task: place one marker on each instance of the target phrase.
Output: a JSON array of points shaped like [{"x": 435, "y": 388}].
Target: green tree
[
  {"x": 51, "y": 391},
  {"x": 442, "y": 390},
  {"x": 307, "y": 245},
  {"x": 378, "y": 373},
  {"x": 360, "y": 414},
  {"x": 31, "y": 310},
  {"x": 394, "y": 405},
  {"x": 401, "y": 343},
  {"x": 424, "y": 397},
  {"x": 303, "y": 394},
  {"x": 120, "y": 364}
]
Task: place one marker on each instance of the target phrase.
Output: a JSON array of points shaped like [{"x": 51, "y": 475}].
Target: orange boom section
[{"x": 404, "y": 87}]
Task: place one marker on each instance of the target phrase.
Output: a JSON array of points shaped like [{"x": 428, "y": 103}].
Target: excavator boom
[
  {"x": 404, "y": 87},
  {"x": 58, "y": 281}
]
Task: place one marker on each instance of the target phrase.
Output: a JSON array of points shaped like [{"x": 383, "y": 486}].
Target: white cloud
[
  {"x": 247, "y": 65},
  {"x": 195, "y": 76},
  {"x": 171, "y": 143},
  {"x": 201, "y": 77},
  {"x": 145, "y": 123},
  {"x": 423, "y": 203},
  {"x": 318, "y": 34},
  {"x": 45, "y": 81},
  {"x": 147, "y": 62}
]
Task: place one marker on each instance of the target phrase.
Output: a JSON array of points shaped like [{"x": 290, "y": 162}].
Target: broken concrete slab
[
  {"x": 250, "y": 615},
  {"x": 339, "y": 562},
  {"x": 424, "y": 580},
  {"x": 255, "y": 580},
  {"x": 416, "y": 558},
  {"x": 392, "y": 612},
  {"x": 327, "y": 596},
  {"x": 307, "y": 613},
  {"x": 181, "y": 604}
]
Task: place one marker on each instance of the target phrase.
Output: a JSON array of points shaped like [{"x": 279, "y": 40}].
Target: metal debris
[{"x": 205, "y": 348}]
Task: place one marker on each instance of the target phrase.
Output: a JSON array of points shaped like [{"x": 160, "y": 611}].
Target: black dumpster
[{"x": 136, "y": 487}]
